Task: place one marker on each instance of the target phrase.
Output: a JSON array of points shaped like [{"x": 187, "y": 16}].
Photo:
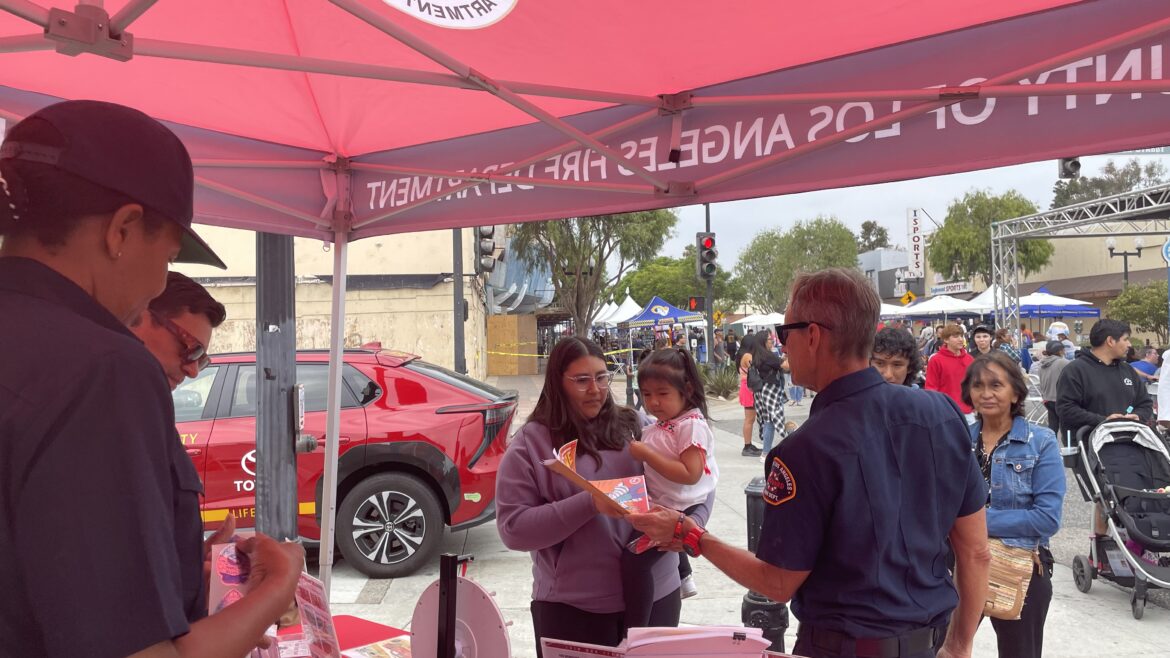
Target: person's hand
[
  {"x": 659, "y": 524},
  {"x": 276, "y": 565},
  {"x": 221, "y": 536},
  {"x": 638, "y": 450},
  {"x": 948, "y": 651},
  {"x": 675, "y": 546}
]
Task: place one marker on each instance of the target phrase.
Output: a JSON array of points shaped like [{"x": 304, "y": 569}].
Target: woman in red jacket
[{"x": 948, "y": 366}]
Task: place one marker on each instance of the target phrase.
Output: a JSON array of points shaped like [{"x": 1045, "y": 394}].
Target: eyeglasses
[
  {"x": 582, "y": 382},
  {"x": 193, "y": 351},
  {"x": 782, "y": 330}
]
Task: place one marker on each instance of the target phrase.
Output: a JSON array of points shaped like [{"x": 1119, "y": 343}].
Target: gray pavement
[{"x": 1098, "y": 623}]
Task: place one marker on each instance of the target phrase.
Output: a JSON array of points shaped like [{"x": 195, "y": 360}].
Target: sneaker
[
  {"x": 689, "y": 588},
  {"x": 763, "y": 457},
  {"x": 750, "y": 450}
]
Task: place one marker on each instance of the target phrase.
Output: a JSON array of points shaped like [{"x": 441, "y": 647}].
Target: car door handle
[{"x": 194, "y": 452}]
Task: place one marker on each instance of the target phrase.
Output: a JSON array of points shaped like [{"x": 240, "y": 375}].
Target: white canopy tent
[
  {"x": 945, "y": 305},
  {"x": 628, "y": 309},
  {"x": 604, "y": 313}
]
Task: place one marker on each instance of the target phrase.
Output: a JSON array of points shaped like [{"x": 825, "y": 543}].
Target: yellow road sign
[
  {"x": 908, "y": 298},
  {"x": 718, "y": 319}
]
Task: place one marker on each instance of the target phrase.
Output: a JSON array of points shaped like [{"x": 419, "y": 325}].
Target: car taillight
[{"x": 496, "y": 415}]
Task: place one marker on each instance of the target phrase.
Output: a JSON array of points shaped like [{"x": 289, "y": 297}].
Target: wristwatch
[{"x": 691, "y": 541}]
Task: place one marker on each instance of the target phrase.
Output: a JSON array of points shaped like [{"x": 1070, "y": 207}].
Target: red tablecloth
[{"x": 354, "y": 631}]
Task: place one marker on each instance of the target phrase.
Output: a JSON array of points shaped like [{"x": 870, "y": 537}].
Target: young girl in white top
[{"x": 679, "y": 454}]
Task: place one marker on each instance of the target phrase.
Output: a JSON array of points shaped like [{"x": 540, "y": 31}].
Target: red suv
[{"x": 420, "y": 448}]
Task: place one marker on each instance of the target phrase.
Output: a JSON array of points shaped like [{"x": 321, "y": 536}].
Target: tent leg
[{"x": 333, "y": 418}]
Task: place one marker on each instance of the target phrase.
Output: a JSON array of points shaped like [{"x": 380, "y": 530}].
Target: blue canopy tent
[
  {"x": 659, "y": 313},
  {"x": 1043, "y": 304}
]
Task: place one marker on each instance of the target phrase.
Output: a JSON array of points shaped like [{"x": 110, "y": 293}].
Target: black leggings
[
  {"x": 638, "y": 580},
  {"x": 1024, "y": 637},
  {"x": 565, "y": 622}
]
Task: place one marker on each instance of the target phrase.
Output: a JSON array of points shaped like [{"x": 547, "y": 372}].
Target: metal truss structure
[{"x": 1143, "y": 212}]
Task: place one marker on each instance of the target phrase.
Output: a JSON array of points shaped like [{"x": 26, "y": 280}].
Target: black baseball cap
[
  {"x": 982, "y": 329},
  {"x": 123, "y": 150}
]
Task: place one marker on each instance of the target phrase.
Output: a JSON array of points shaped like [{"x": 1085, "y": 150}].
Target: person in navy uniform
[
  {"x": 862, "y": 499},
  {"x": 100, "y": 535}
]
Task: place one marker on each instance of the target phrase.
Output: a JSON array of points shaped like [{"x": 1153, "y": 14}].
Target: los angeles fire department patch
[{"x": 781, "y": 486}]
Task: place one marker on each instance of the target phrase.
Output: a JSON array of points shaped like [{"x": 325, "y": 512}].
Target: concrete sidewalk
[{"x": 1098, "y": 623}]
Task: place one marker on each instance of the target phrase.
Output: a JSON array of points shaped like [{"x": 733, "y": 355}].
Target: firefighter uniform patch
[{"x": 781, "y": 486}]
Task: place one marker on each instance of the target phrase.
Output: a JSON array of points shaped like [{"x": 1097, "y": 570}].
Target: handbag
[
  {"x": 754, "y": 381},
  {"x": 1007, "y": 587}
]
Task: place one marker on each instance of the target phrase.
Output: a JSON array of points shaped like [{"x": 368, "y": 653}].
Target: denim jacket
[{"x": 1027, "y": 485}]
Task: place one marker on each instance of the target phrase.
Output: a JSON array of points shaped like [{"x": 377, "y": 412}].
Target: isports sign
[{"x": 455, "y": 14}]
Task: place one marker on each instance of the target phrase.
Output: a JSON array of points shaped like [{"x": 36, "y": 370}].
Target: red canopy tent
[{"x": 344, "y": 119}]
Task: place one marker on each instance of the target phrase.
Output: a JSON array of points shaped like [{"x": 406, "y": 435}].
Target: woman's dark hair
[
  {"x": 760, "y": 349},
  {"x": 1015, "y": 376},
  {"x": 677, "y": 368},
  {"x": 613, "y": 427},
  {"x": 746, "y": 345},
  {"x": 899, "y": 342},
  {"x": 49, "y": 202}
]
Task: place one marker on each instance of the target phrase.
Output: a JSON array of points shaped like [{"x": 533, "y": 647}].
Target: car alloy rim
[{"x": 388, "y": 527}]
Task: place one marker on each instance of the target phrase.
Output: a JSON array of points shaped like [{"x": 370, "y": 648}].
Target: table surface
[{"x": 354, "y": 631}]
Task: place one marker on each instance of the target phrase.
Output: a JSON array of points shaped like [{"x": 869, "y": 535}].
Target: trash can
[{"x": 758, "y": 611}]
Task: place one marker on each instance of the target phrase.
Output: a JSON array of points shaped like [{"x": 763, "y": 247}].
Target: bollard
[{"x": 758, "y": 611}]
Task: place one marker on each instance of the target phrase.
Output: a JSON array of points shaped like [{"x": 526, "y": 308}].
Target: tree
[
  {"x": 872, "y": 236},
  {"x": 962, "y": 247},
  {"x": 579, "y": 252},
  {"x": 770, "y": 262},
  {"x": 674, "y": 280},
  {"x": 1144, "y": 308},
  {"x": 1113, "y": 180}
]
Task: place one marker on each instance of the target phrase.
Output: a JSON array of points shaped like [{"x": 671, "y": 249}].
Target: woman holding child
[{"x": 576, "y": 547}]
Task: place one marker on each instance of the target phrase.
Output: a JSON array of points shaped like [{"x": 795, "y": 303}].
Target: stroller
[{"x": 1126, "y": 463}]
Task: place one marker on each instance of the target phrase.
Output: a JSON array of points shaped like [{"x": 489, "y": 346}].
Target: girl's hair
[
  {"x": 1002, "y": 335},
  {"x": 613, "y": 427},
  {"x": 746, "y": 345},
  {"x": 1015, "y": 378},
  {"x": 760, "y": 346},
  {"x": 677, "y": 368}
]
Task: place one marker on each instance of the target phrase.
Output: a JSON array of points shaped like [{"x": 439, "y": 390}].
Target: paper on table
[{"x": 725, "y": 641}]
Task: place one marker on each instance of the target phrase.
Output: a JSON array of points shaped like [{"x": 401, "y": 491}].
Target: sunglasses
[
  {"x": 782, "y": 330},
  {"x": 583, "y": 382},
  {"x": 193, "y": 351}
]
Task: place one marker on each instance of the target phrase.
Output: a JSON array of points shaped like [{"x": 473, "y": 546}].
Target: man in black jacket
[{"x": 1099, "y": 386}]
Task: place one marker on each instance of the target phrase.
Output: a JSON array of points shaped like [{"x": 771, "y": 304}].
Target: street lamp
[{"x": 1111, "y": 245}]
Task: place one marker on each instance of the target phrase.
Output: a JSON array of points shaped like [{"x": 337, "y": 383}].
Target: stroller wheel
[
  {"x": 1137, "y": 605},
  {"x": 1082, "y": 573}
]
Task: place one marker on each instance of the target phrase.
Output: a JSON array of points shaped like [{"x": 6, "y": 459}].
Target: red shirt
[{"x": 945, "y": 372}]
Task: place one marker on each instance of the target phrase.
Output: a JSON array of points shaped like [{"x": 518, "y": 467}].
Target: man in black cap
[{"x": 99, "y": 505}]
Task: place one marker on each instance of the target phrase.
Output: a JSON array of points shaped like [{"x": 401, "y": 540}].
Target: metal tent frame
[
  {"x": 1142, "y": 212},
  {"x": 90, "y": 29}
]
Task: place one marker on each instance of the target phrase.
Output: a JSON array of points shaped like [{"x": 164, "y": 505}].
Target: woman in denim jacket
[{"x": 1025, "y": 479}]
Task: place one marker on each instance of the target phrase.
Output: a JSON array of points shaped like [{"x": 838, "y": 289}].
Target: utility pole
[
  {"x": 710, "y": 298},
  {"x": 458, "y": 303}
]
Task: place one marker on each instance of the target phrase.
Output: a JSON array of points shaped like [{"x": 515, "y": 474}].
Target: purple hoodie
[{"x": 576, "y": 552}]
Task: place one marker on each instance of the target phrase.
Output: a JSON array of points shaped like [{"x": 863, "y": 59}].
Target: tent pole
[
  {"x": 128, "y": 14},
  {"x": 604, "y": 132},
  {"x": 495, "y": 88},
  {"x": 333, "y": 408},
  {"x": 25, "y": 43},
  {"x": 214, "y": 163},
  {"x": 258, "y": 200},
  {"x": 29, "y": 11}
]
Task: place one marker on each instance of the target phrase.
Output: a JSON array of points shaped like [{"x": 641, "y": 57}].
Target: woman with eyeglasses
[{"x": 576, "y": 549}]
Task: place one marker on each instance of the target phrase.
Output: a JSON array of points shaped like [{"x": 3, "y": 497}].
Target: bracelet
[{"x": 678, "y": 527}]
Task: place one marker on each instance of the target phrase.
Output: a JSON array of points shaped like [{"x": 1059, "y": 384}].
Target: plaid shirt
[{"x": 770, "y": 400}]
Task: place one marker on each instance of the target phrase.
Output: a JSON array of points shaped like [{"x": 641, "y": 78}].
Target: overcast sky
[{"x": 735, "y": 223}]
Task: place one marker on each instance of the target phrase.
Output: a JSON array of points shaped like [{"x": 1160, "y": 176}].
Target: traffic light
[
  {"x": 1070, "y": 167},
  {"x": 697, "y": 304},
  {"x": 705, "y": 255},
  {"x": 485, "y": 248}
]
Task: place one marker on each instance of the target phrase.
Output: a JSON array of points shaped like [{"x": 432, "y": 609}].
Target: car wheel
[{"x": 389, "y": 525}]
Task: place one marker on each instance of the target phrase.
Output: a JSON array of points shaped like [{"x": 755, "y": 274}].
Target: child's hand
[{"x": 638, "y": 450}]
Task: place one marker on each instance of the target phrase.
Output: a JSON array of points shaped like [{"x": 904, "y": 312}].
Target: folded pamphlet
[{"x": 621, "y": 496}]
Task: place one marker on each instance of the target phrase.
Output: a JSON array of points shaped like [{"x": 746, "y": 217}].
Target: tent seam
[{"x": 309, "y": 83}]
